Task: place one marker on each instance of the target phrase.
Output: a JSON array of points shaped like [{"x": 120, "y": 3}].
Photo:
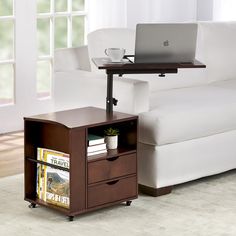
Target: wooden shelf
[{"x": 43, "y": 203}]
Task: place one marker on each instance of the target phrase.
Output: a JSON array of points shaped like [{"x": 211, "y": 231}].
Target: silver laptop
[{"x": 165, "y": 43}]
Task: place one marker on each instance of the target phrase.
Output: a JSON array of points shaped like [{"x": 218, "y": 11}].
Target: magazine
[
  {"x": 40, "y": 174},
  {"x": 53, "y": 183},
  {"x": 57, "y": 190}
]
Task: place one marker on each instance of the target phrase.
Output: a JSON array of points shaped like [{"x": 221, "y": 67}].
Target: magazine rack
[{"x": 95, "y": 181}]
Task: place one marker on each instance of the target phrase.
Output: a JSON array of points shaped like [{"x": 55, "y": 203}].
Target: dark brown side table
[{"x": 95, "y": 181}]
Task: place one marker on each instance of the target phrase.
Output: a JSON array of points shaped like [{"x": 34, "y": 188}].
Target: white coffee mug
[{"x": 115, "y": 54}]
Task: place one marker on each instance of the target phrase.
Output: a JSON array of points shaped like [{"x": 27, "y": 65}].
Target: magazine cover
[
  {"x": 56, "y": 158},
  {"x": 57, "y": 187}
]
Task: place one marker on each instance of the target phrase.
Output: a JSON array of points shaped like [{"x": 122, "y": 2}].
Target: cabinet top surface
[{"x": 81, "y": 117}]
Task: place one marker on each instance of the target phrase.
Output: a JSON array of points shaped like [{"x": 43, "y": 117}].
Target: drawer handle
[
  {"x": 112, "y": 158},
  {"x": 113, "y": 182}
]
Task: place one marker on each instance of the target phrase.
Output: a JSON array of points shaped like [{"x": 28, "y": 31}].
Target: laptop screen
[{"x": 165, "y": 43}]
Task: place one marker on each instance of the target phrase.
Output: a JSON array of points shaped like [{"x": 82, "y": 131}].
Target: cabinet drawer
[
  {"x": 111, "y": 168},
  {"x": 112, "y": 191}
]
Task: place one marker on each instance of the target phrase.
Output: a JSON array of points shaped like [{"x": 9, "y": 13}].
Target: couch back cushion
[
  {"x": 217, "y": 49},
  {"x": 101, "y": 39}
]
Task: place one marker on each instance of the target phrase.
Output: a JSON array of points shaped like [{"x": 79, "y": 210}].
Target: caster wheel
[
  {"x": 128, "y": 203},
  {"x": 32, "y": 205},
  {"x": 71, "y": 218}
]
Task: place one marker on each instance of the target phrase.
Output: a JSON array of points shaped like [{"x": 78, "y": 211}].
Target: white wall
[
  {"x": 174, "y": 11},
  {"x": 205, "y": 10},
  {"x": 224, "y": 10},
  {"x": 106, "y": 14},
  {"x": 140, "y": 11},
  {"x": 127, "y": 13}
]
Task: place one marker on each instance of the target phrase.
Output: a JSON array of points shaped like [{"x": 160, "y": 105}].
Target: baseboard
[{"x": 155, "y": 192}]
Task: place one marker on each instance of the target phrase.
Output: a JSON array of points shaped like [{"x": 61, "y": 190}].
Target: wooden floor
[{"x": 11, "y": 154}]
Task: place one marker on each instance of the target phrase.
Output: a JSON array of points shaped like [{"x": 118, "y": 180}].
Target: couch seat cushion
[{"x": 182, "y": 114}]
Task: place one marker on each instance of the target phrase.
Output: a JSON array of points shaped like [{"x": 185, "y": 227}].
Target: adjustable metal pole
[{"x": 109, "y": 99}]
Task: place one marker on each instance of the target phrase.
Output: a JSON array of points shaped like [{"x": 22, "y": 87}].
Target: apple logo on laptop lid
[{"x": 166, "y": 43}]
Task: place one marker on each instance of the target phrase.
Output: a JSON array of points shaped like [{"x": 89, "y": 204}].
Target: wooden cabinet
[{"x": 95, "y": 181}]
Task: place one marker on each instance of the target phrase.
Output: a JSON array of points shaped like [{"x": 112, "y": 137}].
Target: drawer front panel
[
  {"x": 111, "y": 168},
  {"x": 112, "y": 191}
]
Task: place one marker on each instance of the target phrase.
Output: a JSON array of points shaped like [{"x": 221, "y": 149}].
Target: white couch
[{"x": 187, "y": 120}]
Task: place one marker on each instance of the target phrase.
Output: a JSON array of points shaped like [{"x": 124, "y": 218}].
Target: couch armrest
[
  {"x": 79, "y": 88},
  {"x": 69, "y": 59}
]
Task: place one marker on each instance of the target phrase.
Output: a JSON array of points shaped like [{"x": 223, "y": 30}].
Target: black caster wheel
[
  {"x": 71, "y": 218},
  {"x": 32, "y": 205},
  {"x": 128, "y": 203}
]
